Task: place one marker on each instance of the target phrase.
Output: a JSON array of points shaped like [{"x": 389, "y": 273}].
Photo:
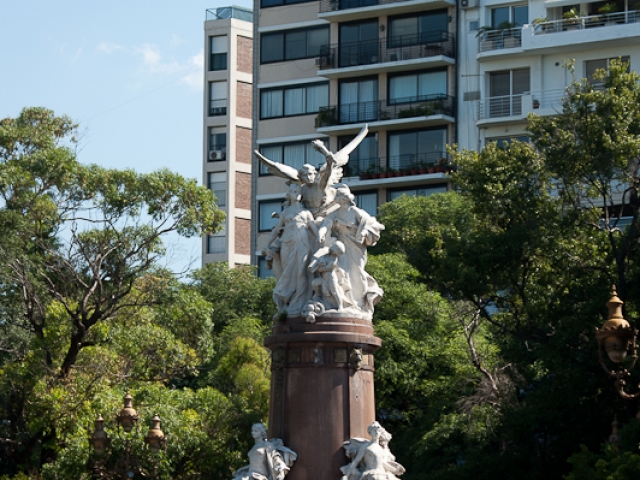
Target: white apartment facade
[
  {"x": 513, "y": 56},
  {"x": 322, "y": 69},
  {"x": 227, "y": 113},
  {"x": 421, "y": 74}
]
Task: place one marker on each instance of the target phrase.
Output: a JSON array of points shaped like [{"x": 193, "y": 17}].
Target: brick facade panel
[
  {"x": 243, "y": 236},
  {"x": 243, "y": 145},
  {"x": 245, "y": 54},
  {"x": 243, "y": 190},
  {"x": 243, "y": 105}
]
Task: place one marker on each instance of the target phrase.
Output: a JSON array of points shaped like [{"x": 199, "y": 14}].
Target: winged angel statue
[{"x": 318, "y": 248}]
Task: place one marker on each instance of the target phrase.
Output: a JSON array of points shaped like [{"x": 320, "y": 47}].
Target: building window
[
  {"x": 218, "y": 53},
  {"x": 217, "y": 145},
  {"x": 293, "y": 154},
  {"x": 217, "y": 182},
  {"x": 266, "y": 218},
  {"x": 263, "y": 271},
  {"x": 505, "y": 91},
  {"x": 418, "y": 29},
  {"x": 417, "y": 87},
  {"x": 416, "y": 148},
  {"x": 504, "y": 141},
  {"x": 367, "y": 201},
  {"x": 359, "y": 43},
  {"x": 217, "y": 243},
  {"x": 364, "y": 158},
  {"x": 217, "y": 98},
  {"x": 290, "y": 101},
  {"x": 421, "y": 191},
  {"x": 358, "y": 101},
  {"x": 590, "y": 67},
  {"x": 279, "y": 3},
  {"x": 510, "y": 16},
  {"x": 293, "y": 44}
]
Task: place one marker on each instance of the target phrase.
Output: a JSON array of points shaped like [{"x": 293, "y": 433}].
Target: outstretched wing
[
  {"x": 279, "y": 169},
  {"x": 342, "y": 156}
]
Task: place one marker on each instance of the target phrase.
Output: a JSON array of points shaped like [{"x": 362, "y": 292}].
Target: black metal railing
[
  {"x": 393, "y": 49},
  {"x": 407, "y": 107},
  {"x": 217, "y": 107},
  {"x": 334, "y": 5},
  {"x": 399, "y": 166}
]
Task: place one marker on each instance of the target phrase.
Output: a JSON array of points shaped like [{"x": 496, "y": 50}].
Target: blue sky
[{"x": 130, "y": 72}]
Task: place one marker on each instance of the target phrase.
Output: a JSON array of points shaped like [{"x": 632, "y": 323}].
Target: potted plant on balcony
[
  {"x": 605, "y": 12},
  {"x": 326, "y": 117},
  {"x": 572, "y": 19},
  {"x": 539, "y": 24}
]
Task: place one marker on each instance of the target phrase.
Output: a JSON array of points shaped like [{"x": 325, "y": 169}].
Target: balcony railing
[
  {"x": 519, "y": 105},
  {"x": 399, "y": 166},
  {"x": 499, "y": 39},
  {"x": 217, "y": 107},
  {"x": 333, "y": 5},
  {"x": 591, "y": 21},
  {"x": 240, "y": 13},
  {"x": 383, "y": 110},
  {"x": 395, "y": 49}
]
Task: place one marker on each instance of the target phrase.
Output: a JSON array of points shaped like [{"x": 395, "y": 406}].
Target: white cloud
[
  {"x": 194, "y": 78},
  {"x": 177, "y": 40},
  {"x": 152, "y": 60},
  {"x": 108, "y": 47}
]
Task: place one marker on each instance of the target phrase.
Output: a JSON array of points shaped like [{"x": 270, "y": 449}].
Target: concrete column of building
[{"x": 321, "y": 390}]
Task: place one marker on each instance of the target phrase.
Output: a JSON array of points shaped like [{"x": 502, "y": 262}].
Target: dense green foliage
[
  {"x": 489, "y": 365},
  {"x": 530, "y": 246}
]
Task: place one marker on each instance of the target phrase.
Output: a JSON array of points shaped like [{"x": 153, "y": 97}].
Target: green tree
[
  {"x": 77, "y": 244},
  {"x": 530, "y": 245}
]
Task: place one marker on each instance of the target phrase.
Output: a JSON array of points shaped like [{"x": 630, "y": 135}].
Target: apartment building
[
  {"x": 512, "y": 57},
  {"x": 227, "y": 114},
  {"x": 325, "y": 68}
]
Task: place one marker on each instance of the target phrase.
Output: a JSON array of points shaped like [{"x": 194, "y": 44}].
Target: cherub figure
[
  {"x": 317, "y": 186},
  {"x": 333, "y": 281}
]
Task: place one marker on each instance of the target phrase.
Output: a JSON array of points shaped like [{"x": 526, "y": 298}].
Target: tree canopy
[{"x": 528, "y": 248}]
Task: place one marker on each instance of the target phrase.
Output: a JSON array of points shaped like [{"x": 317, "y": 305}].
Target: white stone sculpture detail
[
  {"x": 371, "y": 459},
  {"x": 268, "y": 459},
  {"x": 318, "y": 249}
]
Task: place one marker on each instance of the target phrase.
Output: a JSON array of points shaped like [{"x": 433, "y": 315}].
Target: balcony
[
  {"x": 410, "y": 111},
  {"x": 569, "y": 33},
  {"x": 399, "y": 166},
  {"x": 345, "y": 10},
  {"x": 515, "y": 108},
  {"x": 386, "y": 55},
  {"x": 500, "y": 39}
]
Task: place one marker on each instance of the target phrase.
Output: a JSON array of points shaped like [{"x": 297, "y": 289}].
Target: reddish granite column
[{"x": 321, "y": 390}]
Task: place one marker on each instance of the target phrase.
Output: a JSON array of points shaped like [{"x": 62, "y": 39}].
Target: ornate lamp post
[
  {"x": 127, "y": 465},
  {"x": 617, "y": 339}
]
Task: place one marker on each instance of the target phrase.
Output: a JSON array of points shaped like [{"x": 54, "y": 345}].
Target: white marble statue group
[
  {"x": 369, "y": 459},
  {"x": 318, "y": 248}
]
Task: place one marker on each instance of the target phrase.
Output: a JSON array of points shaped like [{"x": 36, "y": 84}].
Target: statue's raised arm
[{"x": 279, "y": 169}]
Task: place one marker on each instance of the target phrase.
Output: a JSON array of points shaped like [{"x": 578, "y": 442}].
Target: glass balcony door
[{"x": 358, "y": 101}]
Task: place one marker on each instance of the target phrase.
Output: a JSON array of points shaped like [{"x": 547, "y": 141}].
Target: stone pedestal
[{"x": 321, "y": 390}]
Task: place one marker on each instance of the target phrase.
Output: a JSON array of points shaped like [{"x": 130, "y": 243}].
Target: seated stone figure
[
  {"x": 371, "y": 459},
  {"x": 268, "y": 459}
]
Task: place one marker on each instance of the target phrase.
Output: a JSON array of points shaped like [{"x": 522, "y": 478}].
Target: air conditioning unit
[
  {"x": 468, "y": 3},
  {"x": 322, "y": 61},
  {"x": 216, "y": 155}
]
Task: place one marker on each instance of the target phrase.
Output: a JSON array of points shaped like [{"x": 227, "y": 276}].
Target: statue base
[{"x": 321, "y": 390}]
